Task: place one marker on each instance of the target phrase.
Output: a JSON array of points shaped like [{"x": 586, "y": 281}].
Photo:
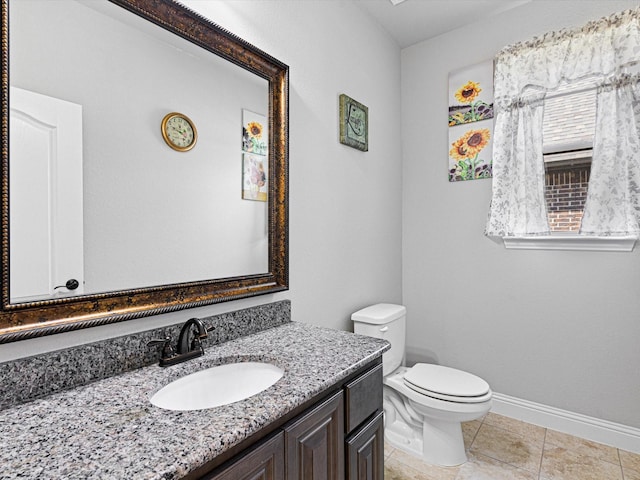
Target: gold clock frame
[{"x": 163, "y": 127}]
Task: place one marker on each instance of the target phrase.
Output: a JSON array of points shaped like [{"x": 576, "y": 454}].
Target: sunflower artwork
[
  {"x": 254, "y": 133},
  {"x": 466, "y": 151},
  {"x": 471, "y": 122},
  {"x": 470, "y": 111}
]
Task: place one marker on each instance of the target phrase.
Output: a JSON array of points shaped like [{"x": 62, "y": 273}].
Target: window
[
  {"x": 530, "y": 77},
  {"x": 568, "y": 128}
]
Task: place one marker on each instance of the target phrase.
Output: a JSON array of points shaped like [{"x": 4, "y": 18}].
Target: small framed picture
[
  {"x": 255, "y": 133},
  {"x": 354, "y": 123},
  {"x": 255, "y": 177}
]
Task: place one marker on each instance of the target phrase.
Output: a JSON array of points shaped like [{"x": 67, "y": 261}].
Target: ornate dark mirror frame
[{"x": 35, "y": 319}]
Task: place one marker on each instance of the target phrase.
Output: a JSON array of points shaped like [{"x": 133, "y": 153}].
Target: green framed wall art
[{"x": 354, "y": 123}]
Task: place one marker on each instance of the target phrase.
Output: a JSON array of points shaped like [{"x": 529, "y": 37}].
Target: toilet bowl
[{"x": 424, "y": 405}]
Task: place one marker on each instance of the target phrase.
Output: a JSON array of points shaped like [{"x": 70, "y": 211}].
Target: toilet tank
[{"x": 387, "y": 321}]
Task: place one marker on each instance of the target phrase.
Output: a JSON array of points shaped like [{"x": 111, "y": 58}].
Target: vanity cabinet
[
  {"x": 314, "y": 442},
  {"x": 346, "y": 425}
]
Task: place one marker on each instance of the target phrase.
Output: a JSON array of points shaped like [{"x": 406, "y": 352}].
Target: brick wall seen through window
[
  {"x": 566, "y": 193},
  {"x": 568, "y": 126}
]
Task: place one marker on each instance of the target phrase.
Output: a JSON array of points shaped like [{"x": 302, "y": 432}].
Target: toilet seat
[{"x": 445, "y": 383}]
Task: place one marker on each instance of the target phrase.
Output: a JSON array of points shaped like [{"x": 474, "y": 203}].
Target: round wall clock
[{"x": 179, "y": 132}]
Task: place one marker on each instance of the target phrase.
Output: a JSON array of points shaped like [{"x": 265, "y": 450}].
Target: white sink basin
[{"x": 217, "y": 386}]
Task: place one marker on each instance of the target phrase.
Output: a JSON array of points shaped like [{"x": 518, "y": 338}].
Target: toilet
[{"x": 424, "y": 405}]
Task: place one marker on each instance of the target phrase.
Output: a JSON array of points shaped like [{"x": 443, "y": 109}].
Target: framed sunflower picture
[
  {"x": 254, "y": 133},
  {"x": 471, "y": 122}
]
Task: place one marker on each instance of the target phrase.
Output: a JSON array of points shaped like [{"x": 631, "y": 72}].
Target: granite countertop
[{"x": 110, "y": 430}]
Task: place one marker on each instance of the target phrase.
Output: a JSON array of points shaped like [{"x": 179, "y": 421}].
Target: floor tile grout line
[
  {"x": 544, "y": 444},
  {"x": 622, "y": 469},
  {"x": 475, "y": 436},
  {"x": 622, "y": 475},
  {"x": 522, "y": 435}
]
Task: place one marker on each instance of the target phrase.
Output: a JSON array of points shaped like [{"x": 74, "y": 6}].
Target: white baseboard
[{"x": 594, "y": 429}]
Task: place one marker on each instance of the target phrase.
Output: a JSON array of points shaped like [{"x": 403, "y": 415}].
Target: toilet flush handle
[{"x": 384, "y": 329}]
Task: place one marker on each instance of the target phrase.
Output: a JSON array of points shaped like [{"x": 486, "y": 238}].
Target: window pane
[
  {"x": 568, "y": 128},
  {"x": 569, "y": 117},
  {"x": 565, "y": 193}
]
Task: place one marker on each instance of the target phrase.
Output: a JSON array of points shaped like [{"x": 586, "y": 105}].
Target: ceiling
[{"x": 413, "y": 21}]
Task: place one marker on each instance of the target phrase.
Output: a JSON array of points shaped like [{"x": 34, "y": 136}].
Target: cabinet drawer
[{"x": 363, "y": 397}]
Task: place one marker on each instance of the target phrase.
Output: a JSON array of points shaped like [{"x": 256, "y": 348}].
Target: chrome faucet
[{"x": 189, "y": 343}]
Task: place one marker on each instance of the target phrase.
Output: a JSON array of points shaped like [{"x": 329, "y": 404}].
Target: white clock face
[{"x": 179, "y": 132}]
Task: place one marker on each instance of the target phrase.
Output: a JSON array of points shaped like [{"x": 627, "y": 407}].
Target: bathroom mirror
[{"x": 152, "y": 226}]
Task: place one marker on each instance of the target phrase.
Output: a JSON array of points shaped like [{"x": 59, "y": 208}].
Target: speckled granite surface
[
  {"x": 109, "y": 429},
  {"x": 38, "y": 376}
]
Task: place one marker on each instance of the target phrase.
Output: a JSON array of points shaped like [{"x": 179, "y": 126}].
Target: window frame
[{"x": 561, "y": 241}]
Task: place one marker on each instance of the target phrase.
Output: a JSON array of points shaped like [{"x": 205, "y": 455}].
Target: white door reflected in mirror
[{"x": 46, "y": 205}]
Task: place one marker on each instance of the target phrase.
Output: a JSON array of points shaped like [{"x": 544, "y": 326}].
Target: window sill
[{"x": 571, "y": 242}]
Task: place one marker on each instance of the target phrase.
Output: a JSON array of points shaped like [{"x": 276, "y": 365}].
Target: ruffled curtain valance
[{"x": 606, "y": 51}]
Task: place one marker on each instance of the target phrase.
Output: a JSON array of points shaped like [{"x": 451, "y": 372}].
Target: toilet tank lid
[{"x": 379, "y": 313}]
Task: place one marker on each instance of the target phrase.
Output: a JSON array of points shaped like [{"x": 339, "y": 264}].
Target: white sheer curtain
[
  {"x": 613, "y": 199},
  {"x": 606, "y": 51}
]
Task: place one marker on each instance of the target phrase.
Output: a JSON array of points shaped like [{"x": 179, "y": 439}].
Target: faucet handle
[
  {"x": 167, "y": 349},
  {"x": 200, "y": 326},
  {"x": 196, "y": 343}
]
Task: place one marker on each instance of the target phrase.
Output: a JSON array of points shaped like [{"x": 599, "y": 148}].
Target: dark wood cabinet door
[
  {"x": 365, "y": 451},
  {"x": 266, "y": 462},
  {"x": 314, "y": 443}
]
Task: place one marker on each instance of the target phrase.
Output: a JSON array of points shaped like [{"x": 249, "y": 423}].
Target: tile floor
[{"x": 501, "y": 448}]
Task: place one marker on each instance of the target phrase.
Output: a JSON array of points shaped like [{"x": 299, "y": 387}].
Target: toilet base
[
  {"x": 425, "y": 427},
  {"x": 401, "y": 436},
  {"x": 402, "y": 427},
  {"x": 435, "y": 442},
  {"x": 443, "y": 443}
]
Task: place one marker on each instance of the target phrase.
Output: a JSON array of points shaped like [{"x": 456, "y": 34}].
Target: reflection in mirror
[
  {"x": 93, "y": 183},
  {"x": 106, "y": 218}
]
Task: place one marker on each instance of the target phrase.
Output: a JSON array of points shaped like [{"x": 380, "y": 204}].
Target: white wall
[
  {"x": 557, "y": 328},
  {"x": 345, "y": 205}
]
